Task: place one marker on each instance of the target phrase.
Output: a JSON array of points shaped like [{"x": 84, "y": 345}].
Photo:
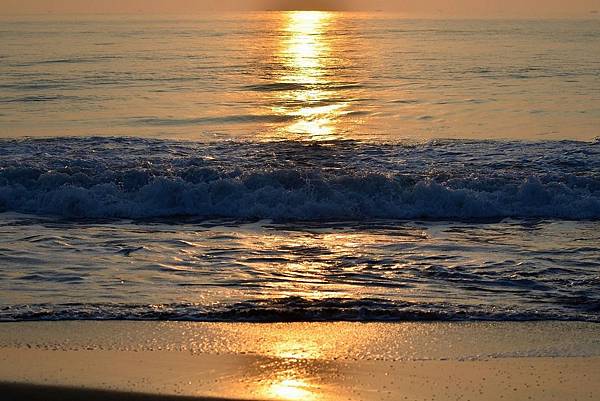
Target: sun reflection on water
[
  {"x": 295, "y": 348},
  {"x": 306, "y": 54},
  {"x": 299, "y": 263},
  {"x": 292, "y": 378},
  {"x": 291, "y": 389},
  {"x": 306, "y": 46}
]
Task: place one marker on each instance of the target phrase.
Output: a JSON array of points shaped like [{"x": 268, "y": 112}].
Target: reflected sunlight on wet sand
[{"x": 304, "y": 361}]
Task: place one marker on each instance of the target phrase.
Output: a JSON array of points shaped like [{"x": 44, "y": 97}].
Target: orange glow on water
[
  {"x": 293, "y": 378},
  {"x": 291, "y": 389},
  {"x": 306, "y": 53},
  {"x": 306, "y": 48}
]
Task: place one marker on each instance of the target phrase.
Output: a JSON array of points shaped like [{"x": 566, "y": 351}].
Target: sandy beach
[{"x": 300, "y": 361}]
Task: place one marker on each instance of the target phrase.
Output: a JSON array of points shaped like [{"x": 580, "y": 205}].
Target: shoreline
[{"x": 300, "y": 361}]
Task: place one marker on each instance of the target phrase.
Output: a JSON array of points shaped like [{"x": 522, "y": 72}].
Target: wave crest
[{"x": 101, "y": 178}]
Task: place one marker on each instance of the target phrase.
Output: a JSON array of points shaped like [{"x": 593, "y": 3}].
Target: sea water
[{"x": 299, "y": 166}]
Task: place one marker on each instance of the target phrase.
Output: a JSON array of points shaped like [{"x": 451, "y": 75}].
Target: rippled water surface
[
  {"x": 299, "y": 166},
  {"x": 273, "y": 272},
  {"x": 301, "y": 75},
  {"x": 155, "y": 229}
]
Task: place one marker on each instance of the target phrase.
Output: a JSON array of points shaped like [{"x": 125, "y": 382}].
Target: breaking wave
[{"x": 147, "y": 178}]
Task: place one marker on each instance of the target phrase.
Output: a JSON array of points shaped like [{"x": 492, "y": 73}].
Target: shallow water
[
  {"x": 392, "y": 271},
  {"x": 300, "y": 343},
  {"x": 155, "y": 229}
]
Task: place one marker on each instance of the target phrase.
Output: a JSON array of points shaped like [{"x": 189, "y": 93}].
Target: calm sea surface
[
  {"x": 299, "y": 166},
  {"x": 300, "y": 76}
]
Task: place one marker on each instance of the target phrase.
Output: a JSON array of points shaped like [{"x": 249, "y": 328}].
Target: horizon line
[{"x": 589, "y": 16}]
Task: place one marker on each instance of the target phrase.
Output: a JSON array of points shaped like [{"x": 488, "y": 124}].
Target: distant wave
[
  {"x": 233, "y": 119},
  {"x": 147, "y": 178},
  {"x": 292, "y": 309}
]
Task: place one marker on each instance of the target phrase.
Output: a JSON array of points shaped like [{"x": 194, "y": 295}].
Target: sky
[{"x": 433, "y": 8}]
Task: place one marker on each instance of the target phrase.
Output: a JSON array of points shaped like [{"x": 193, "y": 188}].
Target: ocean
[{"x": 302, "y": 166}]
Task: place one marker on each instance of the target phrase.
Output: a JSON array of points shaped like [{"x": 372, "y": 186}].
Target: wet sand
[
  {"x": 33, "y": 392},
  {"x": 299, "y": 361}
]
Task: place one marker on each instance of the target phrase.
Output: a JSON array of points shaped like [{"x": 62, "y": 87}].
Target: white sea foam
[{"x": 139, "y": 178}]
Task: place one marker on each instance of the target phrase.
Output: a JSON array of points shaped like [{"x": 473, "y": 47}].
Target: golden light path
[
  {"x": 293, "y": 377},
  {"x": 291, "y": 389},
  {"x": 306, "y": 54}
]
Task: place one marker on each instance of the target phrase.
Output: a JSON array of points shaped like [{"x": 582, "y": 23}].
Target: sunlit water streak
[{"x": 307, "y": 57}]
